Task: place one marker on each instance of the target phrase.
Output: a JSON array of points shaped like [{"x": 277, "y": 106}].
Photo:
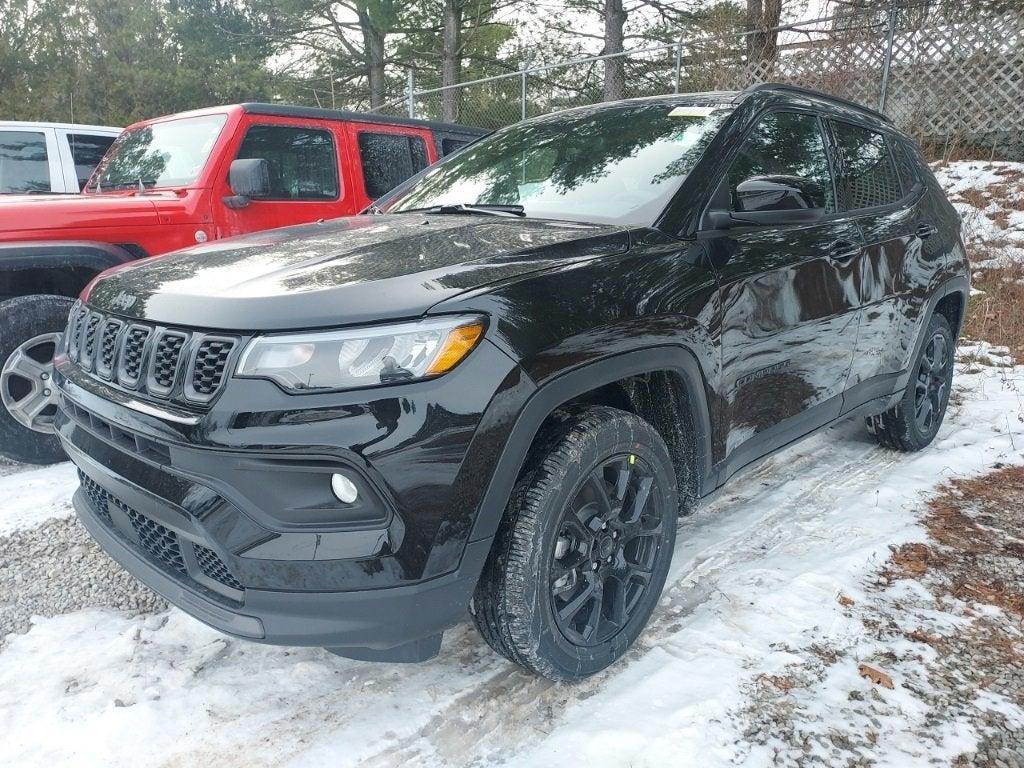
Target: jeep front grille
[{"x": 166, "y": 363}]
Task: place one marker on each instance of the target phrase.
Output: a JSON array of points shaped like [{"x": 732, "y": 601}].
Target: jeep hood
[
  {"x": 351, "y": 270},
  {"x": 45, "y": 213}
]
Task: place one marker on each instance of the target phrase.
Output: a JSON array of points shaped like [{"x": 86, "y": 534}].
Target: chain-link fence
[{"x": 954, "y": 79}]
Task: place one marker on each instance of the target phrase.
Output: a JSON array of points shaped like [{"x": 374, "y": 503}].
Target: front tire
[
  {"x": 913, "y": 422},
  {"x": 30, "y": 328},
  {"x": 582, "y": 555}
]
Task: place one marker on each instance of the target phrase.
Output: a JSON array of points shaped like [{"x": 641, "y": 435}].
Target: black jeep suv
[{"x": 500, "y": 387}]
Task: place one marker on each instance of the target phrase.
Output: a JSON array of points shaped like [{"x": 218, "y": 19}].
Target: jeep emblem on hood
[{"x": 123, "y": 300}]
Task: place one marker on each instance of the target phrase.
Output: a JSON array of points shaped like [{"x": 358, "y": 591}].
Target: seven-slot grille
[{"x": 163, "y": 362}]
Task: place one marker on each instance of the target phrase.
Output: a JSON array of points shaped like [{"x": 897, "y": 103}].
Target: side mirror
[
  {"x": 248, "y": 179},
  {"x": 771, "y": 200}
]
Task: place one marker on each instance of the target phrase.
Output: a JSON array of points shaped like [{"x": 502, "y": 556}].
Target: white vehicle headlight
[{"x": 362, "y": 357}]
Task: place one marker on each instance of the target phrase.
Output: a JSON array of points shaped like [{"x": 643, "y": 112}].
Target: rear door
[
  {"x": 306, "y": 178},
  {"x": 871, "y": 193},
  {"x": 788, "y": 299},
  {"x": 29, "y": 161},
  {"x": 383, "y": 156}
]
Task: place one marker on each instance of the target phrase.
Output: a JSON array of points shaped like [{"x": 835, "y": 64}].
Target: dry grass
[
  {"x": 976, "y": 541},
  {"x": 975, "y": 197},
  {"x": 997, "y": 315}
]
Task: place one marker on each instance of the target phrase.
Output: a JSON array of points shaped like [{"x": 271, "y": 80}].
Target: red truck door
[
  {"x": 307, "y": 174},
  {"x": 383, "y": 156}
]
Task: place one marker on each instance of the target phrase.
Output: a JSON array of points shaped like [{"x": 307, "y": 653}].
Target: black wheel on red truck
[{"x": 30, "y": 329}]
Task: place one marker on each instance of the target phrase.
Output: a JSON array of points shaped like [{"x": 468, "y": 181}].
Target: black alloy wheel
[
  {"x": 932, "y": 387},
  {"x": 585, "y": 545},
  {"x": 608, "y": 541}
]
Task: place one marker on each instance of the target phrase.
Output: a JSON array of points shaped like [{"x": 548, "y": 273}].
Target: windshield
[
  {"x": 167, "y": 154},
  {"x": 615, "y": 165}
]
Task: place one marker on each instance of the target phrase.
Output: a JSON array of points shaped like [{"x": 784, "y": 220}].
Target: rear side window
[
  {"x": 389, "y": 159},
  {"x": 786, "y": 144},
  {"x": 867, "y": 174},
  {"x": 87, "y": 150},
  {"x": 302, "y": 161},
  {"x": 24, "y": 165}
]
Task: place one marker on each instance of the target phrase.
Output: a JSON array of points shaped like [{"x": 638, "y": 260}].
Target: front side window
[
  {"x": 171, "y": 153},
  {"x": 618, "y": 165},
  {"x": 867, "y": 176},
  {"x": 389, "y": 159},
  {"x": 786, "y": 146},
  {"x": 87, "y": 150},
  {"x": 24, "y": 165},
  {"x": 302, "y": 161}
]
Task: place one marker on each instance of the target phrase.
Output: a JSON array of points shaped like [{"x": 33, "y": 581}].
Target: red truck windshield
[{"x": 165, "y": 154}]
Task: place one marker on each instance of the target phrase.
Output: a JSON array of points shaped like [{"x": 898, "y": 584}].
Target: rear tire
[
  {"x": 37, "y": 319},
  {"x": 581, "y": 557},
  {"x": 913, "y": 422}
]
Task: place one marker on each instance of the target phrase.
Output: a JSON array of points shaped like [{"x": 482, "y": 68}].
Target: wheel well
[
  {"x": 951, "y": 307},
  {"x": 661, "y": 399},
  {"x": 57, "y": 281}
]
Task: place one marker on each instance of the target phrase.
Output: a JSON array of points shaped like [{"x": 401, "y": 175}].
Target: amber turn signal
[{"x": 459, "y": 342}]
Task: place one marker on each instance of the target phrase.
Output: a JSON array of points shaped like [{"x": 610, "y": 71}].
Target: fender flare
[
  {"x": 578, "y": 381},
  {"x": 86, "y": 254},
  {"x": 956, "y": 284}
]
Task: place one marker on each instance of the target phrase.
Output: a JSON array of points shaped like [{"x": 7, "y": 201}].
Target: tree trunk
[
  {"x": 614, "y": 70},
  {"x": 373, "y": 47},
  {"x": 762, "y": 46},
  {"x": 451, "y": 61}
]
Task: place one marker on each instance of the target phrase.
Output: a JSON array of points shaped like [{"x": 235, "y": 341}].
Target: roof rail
[{"x": 811, "y": 92}]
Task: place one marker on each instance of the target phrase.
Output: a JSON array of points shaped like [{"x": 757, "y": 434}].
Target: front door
[
  {"x": 788, "y": 298},
  {"x": 305, "y": 177}
]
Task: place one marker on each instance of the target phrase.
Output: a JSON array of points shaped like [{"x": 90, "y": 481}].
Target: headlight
[{"x": 362, "y": 357}]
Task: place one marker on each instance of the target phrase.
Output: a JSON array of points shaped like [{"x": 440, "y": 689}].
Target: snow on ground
[
  {"x": 38, "y": 495},
  {"x": 990, "y": 199},
  {"x": 753, "y": 592}
]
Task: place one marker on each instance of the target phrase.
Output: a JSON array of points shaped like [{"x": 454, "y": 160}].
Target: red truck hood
[{"x": 20, "y": 214}]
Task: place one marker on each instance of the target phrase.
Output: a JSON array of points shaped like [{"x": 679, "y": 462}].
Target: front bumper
[{"x": 194, "y": 511}]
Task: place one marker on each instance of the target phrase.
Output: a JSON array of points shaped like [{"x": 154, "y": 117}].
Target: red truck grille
[{"x": 168, "y": 363}]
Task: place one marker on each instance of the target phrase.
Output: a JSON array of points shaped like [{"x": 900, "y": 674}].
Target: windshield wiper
[{"x": 485, "y": 209}]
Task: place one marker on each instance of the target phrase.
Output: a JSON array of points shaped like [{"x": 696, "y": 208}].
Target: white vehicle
[{"x": 50, "y": 157}]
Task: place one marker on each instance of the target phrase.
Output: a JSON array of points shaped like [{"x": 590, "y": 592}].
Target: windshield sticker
[{"x": 691, "y": 111}]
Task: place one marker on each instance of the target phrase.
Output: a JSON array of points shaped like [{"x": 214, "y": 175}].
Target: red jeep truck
[{"x": 169, "y": 183}]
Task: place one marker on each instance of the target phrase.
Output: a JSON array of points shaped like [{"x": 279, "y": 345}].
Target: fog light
[{"x": 344, "y": 488}]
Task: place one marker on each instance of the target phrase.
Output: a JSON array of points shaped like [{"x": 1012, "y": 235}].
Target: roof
[
  {"x": 808, "y": 92},
  {"x": 64, "y": 126},
  {"x": 735, "y": 98},
  {"x": 316, "y": 113}
]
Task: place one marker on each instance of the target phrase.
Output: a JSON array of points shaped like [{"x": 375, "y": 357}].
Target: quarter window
[
  {"x": 24, "y": 165},
  {"x": 786, "y": 144},
  {"x": 302, "y": 161},
  {"x": 389, "y": 159},
  {"x": 867, "y": 175},
  {"x": 87, "y": 151},
  {"x": 906, "y": 165}
]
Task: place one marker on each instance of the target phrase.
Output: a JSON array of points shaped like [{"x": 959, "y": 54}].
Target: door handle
[
  {"x": 843, "y": 250},
  {"x": 925, "y": 230}
]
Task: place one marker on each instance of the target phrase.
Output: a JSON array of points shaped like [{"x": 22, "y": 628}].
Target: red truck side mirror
[{"x": 248, "y": 179}]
